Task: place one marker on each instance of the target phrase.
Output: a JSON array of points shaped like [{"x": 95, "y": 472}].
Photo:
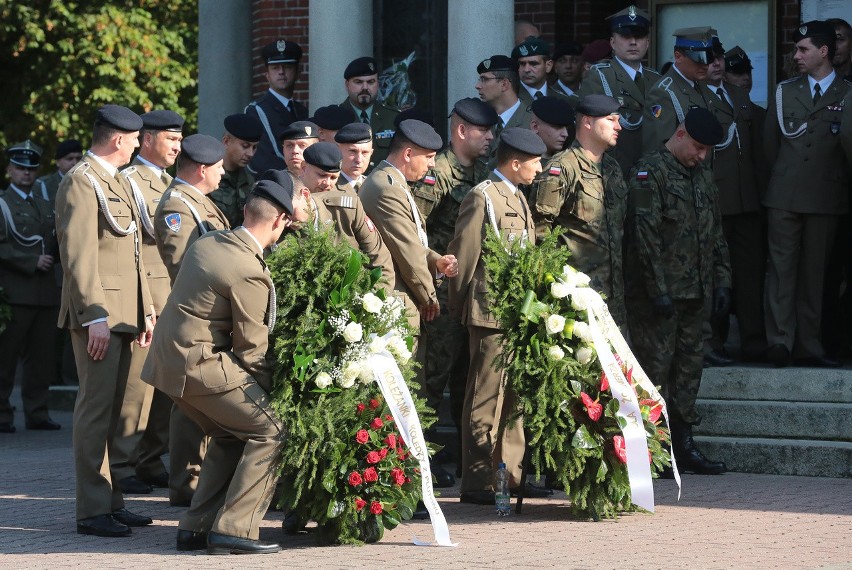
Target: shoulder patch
[
  {"x": 429, "y": 179},
  {"x": 642, "y": 175},
  {"x": 656, "y": 110},
  {"x": 173, "y": 222},
  {"x": 554, "y": 171}
]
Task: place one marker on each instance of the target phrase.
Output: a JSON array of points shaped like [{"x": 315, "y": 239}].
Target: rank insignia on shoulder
[
  {"x": 429, "y": 179},
  {"x": 656, "y": 110},
  {"x": 554, "y": 171},
  {"x": 347, "y": 202},
  {"x": 173, "y": 222},
  {"x": 642, "y": 175},
  {"x": 386, "y": 134}
]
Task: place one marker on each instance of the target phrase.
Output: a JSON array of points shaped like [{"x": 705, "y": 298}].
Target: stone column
[
  {"x": 224, "y": 61},
  {"x": 338, "y": 32}
]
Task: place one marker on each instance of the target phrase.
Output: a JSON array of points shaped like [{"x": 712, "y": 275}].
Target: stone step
[
  {"x": 789, "y": 384},
  {"x": 807, "y": 420},
  {"x": 780, "y": 456}
]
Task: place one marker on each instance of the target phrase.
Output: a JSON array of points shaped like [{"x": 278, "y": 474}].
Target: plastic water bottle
[{"x": 501, "y": 491}]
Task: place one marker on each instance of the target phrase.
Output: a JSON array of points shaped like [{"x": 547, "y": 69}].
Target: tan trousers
[{"x": 187, "y": 448}]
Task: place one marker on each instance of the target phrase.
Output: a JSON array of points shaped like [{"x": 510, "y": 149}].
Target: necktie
[
  {"x": 497, "y": 130},
  {"x": 164, "y": 176},
  {"x": 537, "y": 95},
  {"x": 291, "y": 107},
  {"x": 30, "y": 200},
  {"x": 640, "y": 83},
  {"x": 364, "y": 117},
  {"x": 817, "y": 93},
  {"x": 721, "y": 93}
]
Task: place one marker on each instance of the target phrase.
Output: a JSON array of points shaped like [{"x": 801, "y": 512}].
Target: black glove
[
  {"x": 663, "y": 306},
  {"x": 721, "y": 301}
]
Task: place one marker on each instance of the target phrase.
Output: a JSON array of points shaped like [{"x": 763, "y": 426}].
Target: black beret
[
  {"x": 476, "y": 112},
  {"x": 324, "y": 155},
  {"x": 331, "y": 117},
  {"x": 26, "y": 154},
  {"x": 354, "y": 133},
  {"x": 119, "y": 118},
  {"x": 421, "y": 134},
  {"x": 814, "y": 29},
  {"x": 523, "y": 140},
  {"x": 630, "y": 22},
  {"x": 568, "y": 48},
  {"x": 202, "y": 149},
  {"x": 244, "y": 127},
  {"x": 530, "y": 47},
  {"x": 162, "y": 120},
  {"x": 67, "y": 147},
  {"x": 703, "y": 126},
  {"x": 497, "y": 63},
  {"x": 554, "y": 111},
  {"x": 360, "y": 67},
  {"x": 598, "y": 105},
  {"x": 278, "y": 190},
  {"x": 300, "y": 130},
  {"x": 282, "y": 52},
  {"x": 413, "y": 113},
  {"x": 737, "y": 61}
]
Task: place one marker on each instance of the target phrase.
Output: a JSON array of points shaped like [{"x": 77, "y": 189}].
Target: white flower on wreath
[
  {"x": 377, "y": 344},
  {"x": 350, "y": 374},
  {"x": 555, "y": 352},
  {"x": 371, "y": 303},
  {"x": 397, "y": 346},
  {"x": 580, "y": 302},
  {"x": 365, "y": 374},
  {"x": 559, "y": 289},
  {"x": 395, "y": 306},
  {"x": 574, "y": 278},
  {"x": 583, "y": 331},
  {"x": 323, "y": 380},
  {"x": 554, "y": 324},
  {"x": 353, "y": 332},
  {"x": 584, "y": 354}
]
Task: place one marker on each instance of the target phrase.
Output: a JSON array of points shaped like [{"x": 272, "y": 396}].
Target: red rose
[
  {"x": 383, "y": 452},
  {"x": 593, "y": 408},
  {"x": 360, "y": 408},
  {"x": 620, "y": 449},
  {"x": 604, "y": 382},
  {"x": 371, "y": 475},
  {"x": 360, "y": 504},
  {"x": 374, "y": 403},
  {"x": 376, "y": 508},
  {"x": 362, "y": 437},
  {"x": 654, "y": 411},
  {"x": 391, "y": 440},
  {"x": 389, "y": 418},
  {"x": 355, "y": 479},
  {"x": 377, "y": 423},
  {"x": 408, "y": 480},
  {"x": 373, "y": 457},
  {"x": 398, "y": 475}
]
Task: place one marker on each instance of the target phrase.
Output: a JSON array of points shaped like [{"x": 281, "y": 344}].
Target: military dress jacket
[
  {"x": 527, "y": 98},
  {"x": 522, "y": 117},
  {"x": 440, "y": 193},
  {"x": 610, "y": 78},
  {"x": 48, "y": 186},
  {"x": 388, "y": 203},
  {"x": 675, "y": 244},
  {"x": 667, "y": 103},
  {"x": 22, "y": 282},
  {"x": 274, "y": 117},
  {"x": 382, "y": 125},
  {"x": 590, "y": 202},
  {"x": 103, "y": 273},
  {"x": 231, "y": 195},
  {"x": 812, "y": 157},
  {"x": 350, "y": 187},
  {"x": 468, "y": 291},
  {"x": 212, "y": 335},
  {"x": 176, "y": 226}
]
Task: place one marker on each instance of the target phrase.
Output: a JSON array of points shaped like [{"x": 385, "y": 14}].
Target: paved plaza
[{"x": 730, "y": 521}]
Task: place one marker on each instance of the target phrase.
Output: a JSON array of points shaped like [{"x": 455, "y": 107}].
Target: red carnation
[
  {"x": 355, "y": 479},
  {"x": 604, "y": 382},
  {"x": 362, "y": 437},
  {"x": 655, "y": 409},
  {"x": 398, "y": 475},
  {"x": 383, "y": 452},
  {"x": 374, "y": 403},
  {"x": 390, "y": 440},
  {"x": 371, "y": 475},
  {"x": 620, "y": 449},
  {"x": 376, "y": 508},
  {"x": 360, "y": 408},
  {"x": 373, "y": 457},
  {"x": 594, "y": 409},
  {"x": 377, "y": 423},
  {"x": 360, "y": 504}
]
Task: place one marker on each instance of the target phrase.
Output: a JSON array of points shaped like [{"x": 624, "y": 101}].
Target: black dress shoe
[
  {"x": 161, "y": 480},
  {"x": 779, "y": 355},
  {"x": 224, "y": 544},
  {"x": 46, "y": 425},
  {"x": 293, "y": 523},
  {"x": 819, "y": 362},
  {"x": 441, "y": 478},
  {"x": 717, "y": 358},
  {"x": 188, "y": 540},
  {"x": 131, "y": 519},
  {"x": 7, "y": 427},
  {"x": 421, "y": 513},
  {"x": 133, "y": 486},
  {"x": 102, "y": 525},
  {"x": 532, "y": 492},
  {"x": 477, "y": 497}
]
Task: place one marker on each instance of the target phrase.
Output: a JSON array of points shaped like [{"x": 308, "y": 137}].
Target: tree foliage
[{"x": 61, "y": 60}]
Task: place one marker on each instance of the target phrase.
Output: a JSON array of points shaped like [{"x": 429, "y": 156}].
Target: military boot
[{"x": 689, "y": 458}]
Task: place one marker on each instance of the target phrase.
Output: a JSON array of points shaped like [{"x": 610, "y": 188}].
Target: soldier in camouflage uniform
[
  {"x": 582, "y": 190},
  {"x": 676, "y": 256},
  {"x": 242, "y": 135}
]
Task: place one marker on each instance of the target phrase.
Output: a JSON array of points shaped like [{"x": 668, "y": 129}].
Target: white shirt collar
[
  {"x": 630, "y": 71},
  {"x": 824, "y": 83},
  {"x": 284, "y": 100},
  {"x": 511, "y": 186},
  {"x": 259, "y": 247},
  {"x": 506, "y": 115},
  {"x": 346, "y": 176},
  {"x": 21, "y": 192},
  {"x": 106, "y": 166},
  {"x": 691, "y": 83},
  {"x": 532, "y": 90},
  {"x": 565, "y": 88},
  {"x": 157, "y": 170}
]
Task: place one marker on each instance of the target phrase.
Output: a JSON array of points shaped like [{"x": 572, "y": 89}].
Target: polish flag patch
[
  {"x": 642, "y": 175},
  {"x": 555, "y": 171},
  {"x": 429, "y": 179}
]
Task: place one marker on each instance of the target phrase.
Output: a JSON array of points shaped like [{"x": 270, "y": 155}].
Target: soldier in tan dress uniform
[
  {"x": 242, "y": 135},
  {"x": 210, "y": 355},
  {"x": 28, "y": 252},
  {"x": 106, "y": 304},
  {"x": 355, "y": 141},
  {"x": 498, "y": 85},
  {"x": 496, "y": 202},
  {"x": 184, "y": 214},
  {"x": 142, "y": 435}
]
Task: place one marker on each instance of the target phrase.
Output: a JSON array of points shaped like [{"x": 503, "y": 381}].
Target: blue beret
[
  {"x": 119, "y": 118},
  {"x": 703, "y": 126},
  {"x": 354, "y": 133},
  {"x": 360, "y": 67},
  {"x": 282, "y": 52},
  {"x": 497, "y": 63},
  {"x": 597, "y": 105},
  {"x": 244, "y": 127},
  {"x": 162, "y": 120},
  {"x": 276, "y": 189},
  {"x": 324, "y": 155},
  {"x": 331, "y": 117},
  {"x": 26, "y": 154},
  {"x": 421, "y": 134},
  {"x": 476, "y": 112},
  {"x": 530, "y": 47},
  {"x": 523, "y": 140},
  {"x": 630, "y": 22},
  {"x": 202, "y": 149},
  {"x": 300, "y": 130},
  {"x": 66, "y": 147},
  {"x": 553, "y": 111}
]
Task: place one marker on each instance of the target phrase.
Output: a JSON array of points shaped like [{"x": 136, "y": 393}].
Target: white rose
[
  {"x": 578, "y": 302},
  {"x": 371, "y": 303},
  {"x": 555, "y": 324},
  {"x": 396, "y": 344},
  {"x": 366, "y": 373},
  {"x": 353, "y": 332},
  {"x": 377, "y": 345},
  {"x": 582, "y": 280},
  {"x": 583, "y": 331},
  {"x": 404, "y": 354},
  {"x": 559, "y": 289},
  {"x": 323, "y": 380},
  {"x": 584, "y": 354},
  {"x": 555, "y": 352},
  {"x": 349, "y": 375}
]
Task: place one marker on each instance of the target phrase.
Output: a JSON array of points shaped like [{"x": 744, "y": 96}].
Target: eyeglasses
[{"x": 484, "y": 79}]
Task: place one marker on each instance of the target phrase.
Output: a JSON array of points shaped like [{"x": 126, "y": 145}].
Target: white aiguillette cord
[{"x": 26, "y": 241}]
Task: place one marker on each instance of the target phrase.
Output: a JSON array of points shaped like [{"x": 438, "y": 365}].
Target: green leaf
[
  {"x": 390, "y": 519},
  {"x": 583, "y": 439},
  {"x": 406, "y": 511},
  {"x": 335, "y": 509}
]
